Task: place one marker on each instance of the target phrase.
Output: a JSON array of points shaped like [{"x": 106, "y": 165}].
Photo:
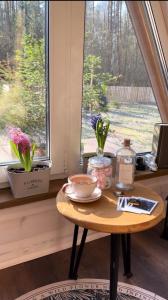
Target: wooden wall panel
[{"x": 33, "y": 230}]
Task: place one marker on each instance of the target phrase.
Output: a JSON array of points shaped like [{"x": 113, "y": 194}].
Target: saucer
[{"x": 93, "y": 197}]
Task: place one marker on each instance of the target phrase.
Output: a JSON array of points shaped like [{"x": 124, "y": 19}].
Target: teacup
[{"x": 82, "y": 185}]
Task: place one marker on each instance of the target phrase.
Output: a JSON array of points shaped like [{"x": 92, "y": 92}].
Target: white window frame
[{"x": 66, "y": 73}]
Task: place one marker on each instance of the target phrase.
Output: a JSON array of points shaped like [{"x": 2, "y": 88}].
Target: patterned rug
[{"x": 88, "y": 289}]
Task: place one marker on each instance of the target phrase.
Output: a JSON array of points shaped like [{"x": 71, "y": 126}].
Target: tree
[
  {"x": 23, "y": 88},
  {"x": 95, "y": 84},
  {"x": 109, "y": 34},
  {"x": 30, "y": 73}
]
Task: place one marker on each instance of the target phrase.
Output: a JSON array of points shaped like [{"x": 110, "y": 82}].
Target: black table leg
[
  {"x": 75, "y": 258},
  {"x": 73, "y": 251},
  {"x": 114, "y": 264},
  {"x": 126, "y": 251},
  {"x": 165, "y": 228},
  {"x": 79, "y": 255}
]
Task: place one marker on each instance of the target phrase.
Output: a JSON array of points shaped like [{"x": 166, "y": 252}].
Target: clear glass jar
[
  {"x": 125, "y": 167},
  {"x": 101, "y": 167}
]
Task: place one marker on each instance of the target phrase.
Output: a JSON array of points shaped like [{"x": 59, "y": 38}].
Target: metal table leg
[
  {"x": 75, "y": 258},
  {"x": 79, "y": 255},
  {"x": 114, "y": 264},
  {"x": 73, "y": 251},
  {"x": 126, "y": 251},
  {"x": 165, "y": 228},
  {"x": 114, "y": 258}
]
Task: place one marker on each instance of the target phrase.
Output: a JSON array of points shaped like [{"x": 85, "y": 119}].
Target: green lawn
[{"x": 134, "y": 121}]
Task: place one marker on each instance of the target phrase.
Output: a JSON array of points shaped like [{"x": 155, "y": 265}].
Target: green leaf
[
  {"x": 14, "y": 149},
  {"x": 27, "y": 161},
  {"x": 102, "y": 128},
  {"x": 33, "y": 151},
  {"x": 21, "y": 159}
]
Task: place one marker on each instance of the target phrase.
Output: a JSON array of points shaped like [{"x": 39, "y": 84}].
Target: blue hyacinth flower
[{"x": 94, "y": 120}]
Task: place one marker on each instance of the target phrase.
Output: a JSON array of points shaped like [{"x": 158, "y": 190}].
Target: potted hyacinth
[
  {"x": 101, "y": 128},
  {"x": 28, "y": 177}
]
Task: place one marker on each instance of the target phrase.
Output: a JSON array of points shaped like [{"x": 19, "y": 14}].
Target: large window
[
  {"x": 23, "y": 74},
  {"x": 24, "y": 55},
  {"x": 115, "y": 80}
]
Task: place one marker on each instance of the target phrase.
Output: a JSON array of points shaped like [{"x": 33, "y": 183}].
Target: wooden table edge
[{"x": 118, "y": 229}]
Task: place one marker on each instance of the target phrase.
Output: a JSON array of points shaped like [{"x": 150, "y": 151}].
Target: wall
[
  {"x": 160, "y": 185},
  {"x": 34, "y": 230}
]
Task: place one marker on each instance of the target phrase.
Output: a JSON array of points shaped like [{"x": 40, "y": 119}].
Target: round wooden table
[{"x": 103, "y": 216}]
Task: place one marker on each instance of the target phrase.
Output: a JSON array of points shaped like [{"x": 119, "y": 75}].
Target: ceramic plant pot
[{"x": 25, "y": 184}]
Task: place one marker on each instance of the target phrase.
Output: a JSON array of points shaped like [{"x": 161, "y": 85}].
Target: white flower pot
[{"x": 26, "y": 184}]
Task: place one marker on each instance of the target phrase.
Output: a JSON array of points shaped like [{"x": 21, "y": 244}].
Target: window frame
[
  {"x": 159, "y": 34},
  {"x": 151, "y": 59},
  {"x": 66, "y": 79}
]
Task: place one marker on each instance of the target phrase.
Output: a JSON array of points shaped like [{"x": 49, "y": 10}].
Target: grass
[{"x": 131, "y": 120}]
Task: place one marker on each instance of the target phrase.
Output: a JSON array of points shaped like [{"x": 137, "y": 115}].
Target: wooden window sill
[
  {"x": 142, "y": 175},
  {"x": 7, "y": 200}
]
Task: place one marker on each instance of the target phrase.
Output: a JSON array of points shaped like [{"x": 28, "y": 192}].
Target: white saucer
[{"x": 93, "y": 197}]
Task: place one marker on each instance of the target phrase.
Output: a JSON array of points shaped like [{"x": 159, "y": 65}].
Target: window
[
  {"x": 65, "y": 55},
  {"x": 158, "y": 34},
  {"x": 23, "y": 74},
  {"x": 115, "y": 81}
]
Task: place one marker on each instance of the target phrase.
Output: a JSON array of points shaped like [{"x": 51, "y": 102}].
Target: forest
[
  {"x": 110, "y": 36},
  {"x": 112, "y": 54},
  {"x": 23, "y": 68},
  {"x": 111, "y": 58},
  {"x": 116, "y": 82}
]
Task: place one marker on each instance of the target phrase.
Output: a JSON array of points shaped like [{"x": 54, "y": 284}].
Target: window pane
[
  {"x": 115, "y": 82},
  {"x": 23, "y": 73}
]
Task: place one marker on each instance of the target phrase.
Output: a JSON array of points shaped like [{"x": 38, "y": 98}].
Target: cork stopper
[{"x": 127, "y": 142}]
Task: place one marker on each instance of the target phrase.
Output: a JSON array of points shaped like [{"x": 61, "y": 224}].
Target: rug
[{"x": 88, "y": 289}]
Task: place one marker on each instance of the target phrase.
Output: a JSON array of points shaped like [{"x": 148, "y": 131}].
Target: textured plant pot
[{"x": 26, "y": 184}]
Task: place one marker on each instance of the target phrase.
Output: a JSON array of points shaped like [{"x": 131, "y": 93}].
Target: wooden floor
[{"x": 149, "y": 265}]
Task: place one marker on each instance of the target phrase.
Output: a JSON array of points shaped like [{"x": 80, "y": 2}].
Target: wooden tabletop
[{"x": 103, "y": 216}]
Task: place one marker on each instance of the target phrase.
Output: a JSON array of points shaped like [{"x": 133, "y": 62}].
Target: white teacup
[{"x": 82, "y": 185}]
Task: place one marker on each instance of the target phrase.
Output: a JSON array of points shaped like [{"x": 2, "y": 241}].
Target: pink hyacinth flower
[
  {"x": 19, "y": 138},
  {"x": 14, "y": 134},
  {"x": 24, "y": 144}
]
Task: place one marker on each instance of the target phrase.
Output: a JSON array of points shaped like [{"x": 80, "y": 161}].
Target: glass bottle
[{"x": 125, "y": 167}]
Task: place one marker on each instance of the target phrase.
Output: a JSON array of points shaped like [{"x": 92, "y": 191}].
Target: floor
[{"x": 149, "y": 265}]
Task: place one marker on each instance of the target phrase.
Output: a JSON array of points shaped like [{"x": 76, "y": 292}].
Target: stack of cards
[{"x": 136, "y": 205}]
